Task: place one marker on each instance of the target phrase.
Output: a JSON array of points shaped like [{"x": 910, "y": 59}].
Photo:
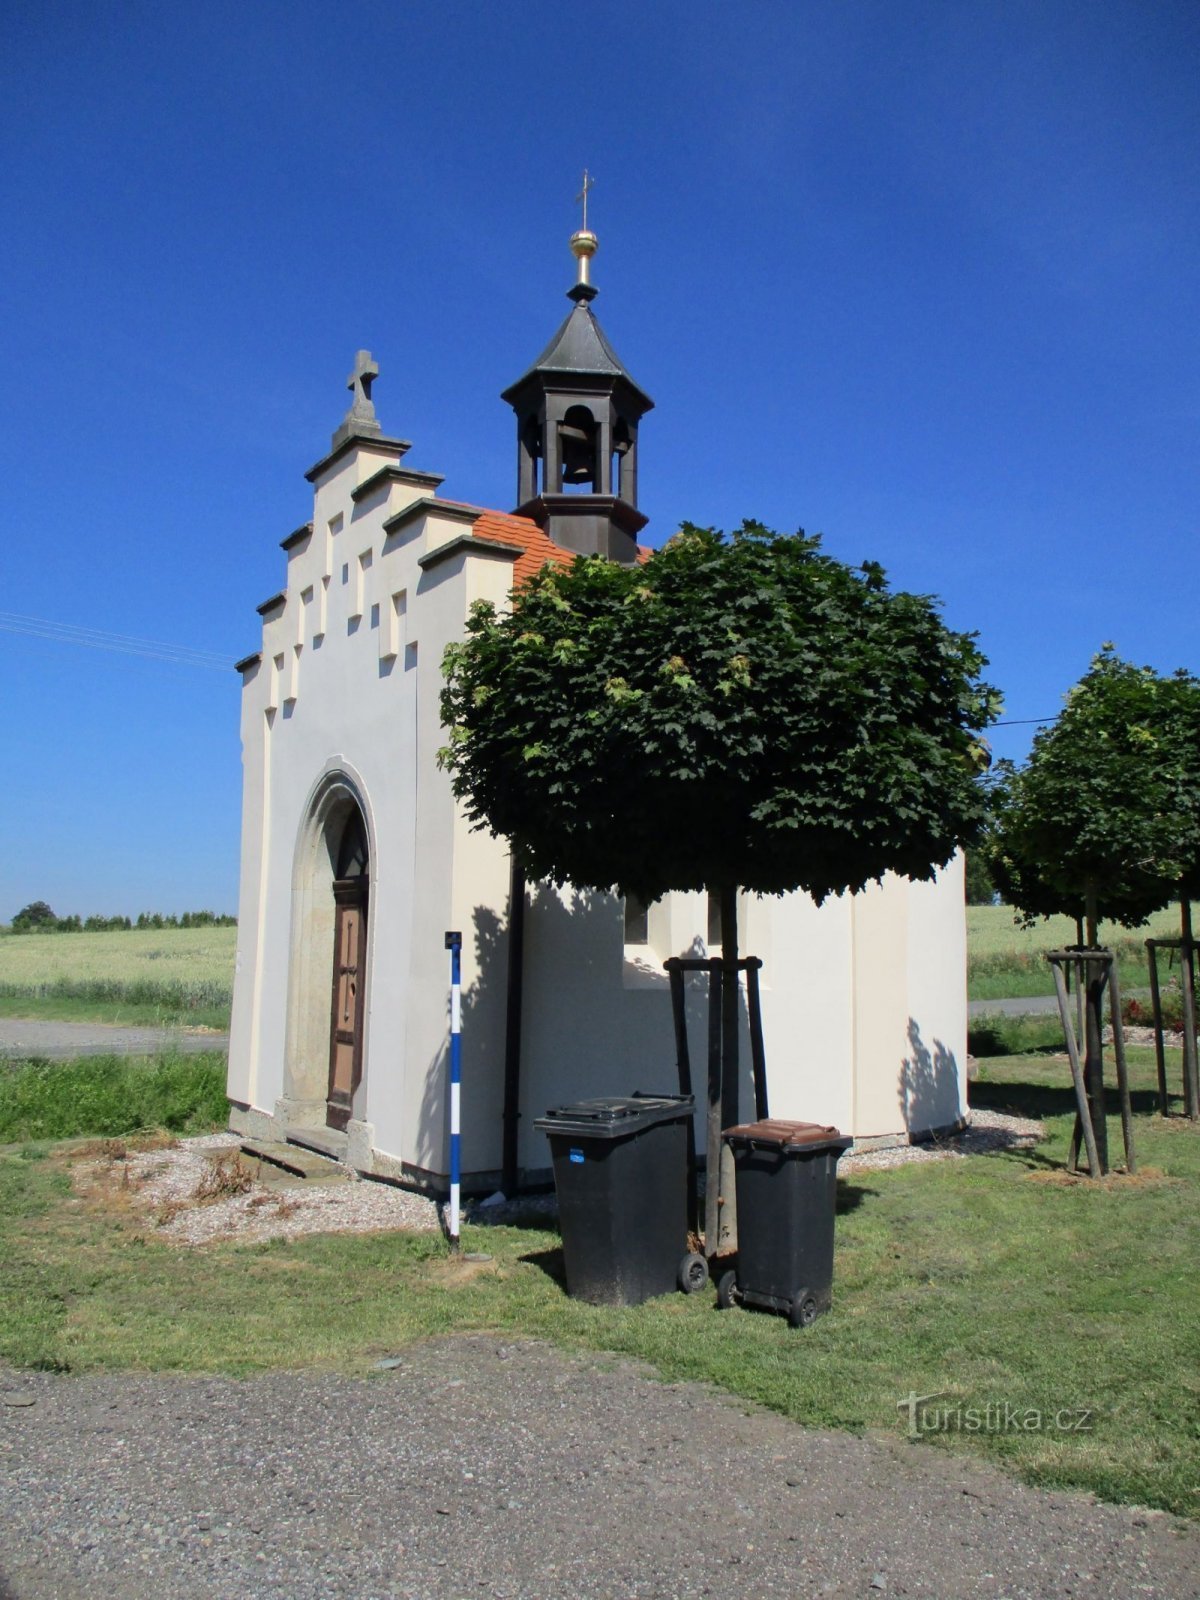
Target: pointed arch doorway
[{"x": 351, "y": 892}]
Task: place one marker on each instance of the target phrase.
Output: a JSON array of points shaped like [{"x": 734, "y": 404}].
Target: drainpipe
[{"x": 512, "y": 1029}]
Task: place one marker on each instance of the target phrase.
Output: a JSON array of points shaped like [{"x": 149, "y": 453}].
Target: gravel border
[{"x": 161, "y": 1186}]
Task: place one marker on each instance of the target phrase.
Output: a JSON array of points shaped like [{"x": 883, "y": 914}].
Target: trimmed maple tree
[
  {"x": 1103, "y": 821},
  {"x": 736, "y": 712}
]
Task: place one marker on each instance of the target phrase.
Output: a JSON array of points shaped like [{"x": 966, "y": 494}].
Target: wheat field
[
  {"x": 992, "y": 931},
  {"x": 186, "y": 967}
]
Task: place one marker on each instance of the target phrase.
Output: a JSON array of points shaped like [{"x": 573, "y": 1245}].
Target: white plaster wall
[
  {"x": 808, "y": 1007},
  {"x": 936, "y": 1073},
  {"x": 244, "y": 1049}
]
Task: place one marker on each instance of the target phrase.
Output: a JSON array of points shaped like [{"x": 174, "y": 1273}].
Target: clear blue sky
[{"x": 920, "y": 277}]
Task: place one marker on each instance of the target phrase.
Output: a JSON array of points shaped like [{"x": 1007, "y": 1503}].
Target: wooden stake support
[
  {"x": 677, "y": 968},
  {"x": 1186, "y": 947},
  {"x": 1093, "y": 969}
]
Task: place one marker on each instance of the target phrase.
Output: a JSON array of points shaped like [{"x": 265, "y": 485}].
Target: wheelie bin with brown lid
[{"x": 786, "y": 1176}]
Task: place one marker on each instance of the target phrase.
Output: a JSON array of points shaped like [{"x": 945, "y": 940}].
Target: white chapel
[{"x": 356, "y": 859}]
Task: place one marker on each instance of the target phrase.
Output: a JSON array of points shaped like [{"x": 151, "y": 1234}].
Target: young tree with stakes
[
  {"x": 741, "y": 712},
  {"x": 1096, "y": 824}
]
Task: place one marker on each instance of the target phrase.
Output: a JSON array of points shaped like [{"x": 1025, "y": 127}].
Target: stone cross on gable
[
  {"x": 360, "y": 420},
  {"x": 366, "y": 370}
]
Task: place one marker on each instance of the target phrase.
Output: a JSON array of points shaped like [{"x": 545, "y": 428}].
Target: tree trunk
[
  {"x": 730, "y": 1078},
  {"x": 1093, "y": 1070}
]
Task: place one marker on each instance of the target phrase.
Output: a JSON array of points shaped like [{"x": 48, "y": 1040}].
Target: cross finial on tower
[{"x": 581, "y": 197}]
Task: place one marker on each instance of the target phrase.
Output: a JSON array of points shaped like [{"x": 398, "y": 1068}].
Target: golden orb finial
[
  {"x": 584, "y": 245},
  {"x": 584, "y": 242}
]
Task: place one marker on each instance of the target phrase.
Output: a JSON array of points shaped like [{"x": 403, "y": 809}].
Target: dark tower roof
[
  {"x": 580, "y": 348},
  {"x": 578, "y": 412}
]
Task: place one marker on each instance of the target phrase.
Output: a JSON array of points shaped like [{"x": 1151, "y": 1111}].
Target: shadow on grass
[
  {"x": 851, "y": 1195},
  {"x": 1042, "y": 1100},
  {"x": 550, "y": 1262}
]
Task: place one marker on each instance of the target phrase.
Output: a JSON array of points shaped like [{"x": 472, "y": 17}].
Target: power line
[
  {"x": 123, "y": 644},
  {"x": 1023, "y": 722}
]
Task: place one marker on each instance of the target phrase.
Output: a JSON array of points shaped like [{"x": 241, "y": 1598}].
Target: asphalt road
[
  {"x": 515, "y": 1471},
  {"x": 59, "y": 1041},
  {"x": 1028, "y": 1006}
]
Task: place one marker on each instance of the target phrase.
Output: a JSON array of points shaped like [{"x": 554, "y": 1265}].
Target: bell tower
[{"x": 578, "y": 412}]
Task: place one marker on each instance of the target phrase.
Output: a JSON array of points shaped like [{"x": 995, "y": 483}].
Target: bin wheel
[
  {"x": 802, "y": 1312},
  {"x": 693, "y": 1273},
  {"x": 726, "y": 1289}
]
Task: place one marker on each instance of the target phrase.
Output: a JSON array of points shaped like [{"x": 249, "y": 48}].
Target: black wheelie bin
[
  {"x": 620, "y": 1172},
  {"x": 786, "y": 1175}
]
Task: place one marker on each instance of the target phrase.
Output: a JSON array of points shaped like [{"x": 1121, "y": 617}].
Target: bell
[{"x": 577, "y": 453}]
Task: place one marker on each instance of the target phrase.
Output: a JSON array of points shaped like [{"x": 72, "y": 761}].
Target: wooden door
[{"x": 349, "y": 994}]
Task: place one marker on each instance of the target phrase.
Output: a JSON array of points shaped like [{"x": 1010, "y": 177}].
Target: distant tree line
[{"x": 37, "y": 917}]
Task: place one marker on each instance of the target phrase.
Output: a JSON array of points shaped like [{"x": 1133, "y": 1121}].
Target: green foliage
[
  {"x": 1140, "y": 1012},
  {"x": 980, "y": 888},
  {"x": 37, "y": 915},
  {"x": 38, "y": 918},
  {"x": 111, "y": 1095},
  {"x": 1106, "y": 813},
  {"x": 743, "y": 711}
]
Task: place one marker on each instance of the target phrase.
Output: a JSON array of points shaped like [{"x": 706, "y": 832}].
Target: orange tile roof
[{"x": 538, "y": 546}]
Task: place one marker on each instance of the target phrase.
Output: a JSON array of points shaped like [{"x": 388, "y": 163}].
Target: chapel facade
[{"x": 356, "y": 858}]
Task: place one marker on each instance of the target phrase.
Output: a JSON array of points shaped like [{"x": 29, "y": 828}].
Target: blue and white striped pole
[{"x": 454, "y": 945}]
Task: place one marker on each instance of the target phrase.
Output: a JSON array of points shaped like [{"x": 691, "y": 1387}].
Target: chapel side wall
[
  {"x": 244, "y": 1045},
  {"x": 842, "y": 986},
  {"x": 808, "y": 1006},
  {"x": 910, "y": 997},
  {"x": 936, "y": 1070},
  {"x": 880, "y": 978},
  {"x": 586, "y": 1031}
]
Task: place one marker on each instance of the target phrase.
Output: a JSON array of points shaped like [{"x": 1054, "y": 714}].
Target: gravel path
[
  {"x": 59, "y": 1041},
  {"x": 513, "y": 1470}
]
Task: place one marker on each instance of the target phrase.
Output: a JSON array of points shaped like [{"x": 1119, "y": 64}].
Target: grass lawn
[
  {"x": 138, "y": 976},
  {"x": 987, "y": 1280},
  {"x": 73, "y": 1006},
  {"x": 107, "y": 1096}
]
